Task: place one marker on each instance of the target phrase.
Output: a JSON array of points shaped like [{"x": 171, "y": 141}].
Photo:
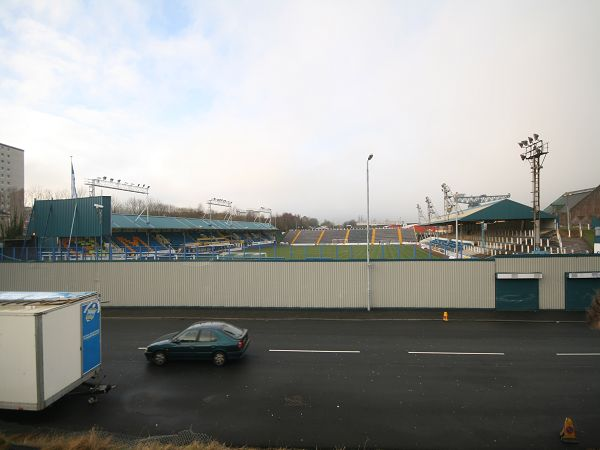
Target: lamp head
[
  {"x": 522, "y": 157},
  {"x": 370, "y": 157},
  {"x": 536, "y": 136},
  {"x": 521, "y": 144},
  {"x": 530, "y": 139}
]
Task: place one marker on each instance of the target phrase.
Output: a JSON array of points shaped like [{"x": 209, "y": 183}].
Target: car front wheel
[
  {"x": 159, "y": 358},
  {"x": 219, "y": 359}
]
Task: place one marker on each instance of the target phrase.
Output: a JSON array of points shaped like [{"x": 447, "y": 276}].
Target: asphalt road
[{"x": 515, "y": 394}]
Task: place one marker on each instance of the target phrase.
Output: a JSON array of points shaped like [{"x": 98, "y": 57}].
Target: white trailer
[{"x": 50, "y": 343}]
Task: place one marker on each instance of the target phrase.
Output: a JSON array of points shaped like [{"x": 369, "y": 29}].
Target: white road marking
[
  {"x": 142, "y": 348},
  {"x": 456, "y": 353},
  {"x": 578, "y": 354},
  {"x": 315, "y": 351}
]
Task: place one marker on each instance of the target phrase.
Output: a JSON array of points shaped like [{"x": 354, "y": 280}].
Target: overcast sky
[{"x": 278, "y": 104}]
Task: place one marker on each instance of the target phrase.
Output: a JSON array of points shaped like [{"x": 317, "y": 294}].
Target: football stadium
[{"x": 479, "y": 257}]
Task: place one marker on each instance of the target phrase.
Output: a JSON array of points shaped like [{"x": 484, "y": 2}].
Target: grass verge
[{"x": 97, "y": 440}]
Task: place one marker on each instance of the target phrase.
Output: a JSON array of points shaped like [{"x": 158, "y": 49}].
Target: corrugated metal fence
[{"x": 269, "y": 284}]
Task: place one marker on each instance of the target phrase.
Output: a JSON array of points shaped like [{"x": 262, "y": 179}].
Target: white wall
[
  {"x": 62, "y": 343},
  {"x": 17, "y": 360}
]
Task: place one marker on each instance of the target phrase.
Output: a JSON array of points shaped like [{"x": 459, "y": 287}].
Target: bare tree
[{"x": 39, "y": 193}]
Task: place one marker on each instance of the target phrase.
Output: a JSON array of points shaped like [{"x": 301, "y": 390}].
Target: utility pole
[{"x": 535, "y": 151}]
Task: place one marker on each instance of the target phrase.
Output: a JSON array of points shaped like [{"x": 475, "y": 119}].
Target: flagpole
[{"x": 73, "y": 188}]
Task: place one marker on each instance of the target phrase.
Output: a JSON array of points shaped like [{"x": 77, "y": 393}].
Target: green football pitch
[{"x": 340, "y": 252}]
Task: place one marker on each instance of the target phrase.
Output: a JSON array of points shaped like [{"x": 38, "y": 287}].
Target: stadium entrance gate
[
  {"x": 517, "y": 291},
  {"x": 580, "y": 289}
]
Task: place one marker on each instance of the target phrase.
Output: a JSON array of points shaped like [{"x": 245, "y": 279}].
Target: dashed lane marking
[
  {"x": 458, "y": 353},
  {"x": 314, "y": 351}
]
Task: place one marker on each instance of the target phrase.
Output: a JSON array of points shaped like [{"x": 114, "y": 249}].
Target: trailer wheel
[
  {"x": 159, "y": 358},
  {"x": 219, "y": 359}
]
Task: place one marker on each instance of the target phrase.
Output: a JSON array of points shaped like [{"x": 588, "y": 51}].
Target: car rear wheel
[
  {"x": 159, "y": 358},
  {"x": 219, "y": 359}
]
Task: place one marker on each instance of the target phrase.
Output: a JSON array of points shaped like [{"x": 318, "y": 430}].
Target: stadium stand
[
  {"x": 409, "y": 235},
  {"x": 74, "y": 228},
  {"x": 351, "y": 236},
  {"x": 333, "y": 235},
  {"x": 357, "y": 236},
  {"x": 385, "y": 235},
  {"x": 289, "y": 236},
  {"x": 307, "y": 237}
]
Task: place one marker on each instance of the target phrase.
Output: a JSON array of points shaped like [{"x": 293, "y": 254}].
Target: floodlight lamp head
[
  {"x": 530, "y": 139},
  {"x": 522, "y": 157},
  {"x": 536, "y": 136},
  {"x": 521, "y": 144},
  {"x": 118, "y": 181},
  {"x": 370, "y": 157},
  {"x": 104, "y": 178}
]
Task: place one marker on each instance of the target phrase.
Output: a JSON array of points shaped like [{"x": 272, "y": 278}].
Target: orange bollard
[
  {"x": 567, "y": 434},
  {"x": 445, "y": 316}
]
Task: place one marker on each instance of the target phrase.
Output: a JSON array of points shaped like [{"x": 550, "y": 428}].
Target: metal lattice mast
[
  {"x": 220, "y": 202},
  {"x": 430, "y": 209},
  {"x": 420, "y": 215},
  {"x": 535, "y": 152},
  {"x": 449, "y": 202}
]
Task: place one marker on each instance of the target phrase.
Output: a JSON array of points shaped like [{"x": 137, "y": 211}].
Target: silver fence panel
[
  {"x": 205, "y": 284},
  {"x": 433, "y": 284}
]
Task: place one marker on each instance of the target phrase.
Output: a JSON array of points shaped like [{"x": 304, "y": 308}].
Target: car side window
[
  {"x": 188, "y": 336},
  {"x": 207, "y": 336}
]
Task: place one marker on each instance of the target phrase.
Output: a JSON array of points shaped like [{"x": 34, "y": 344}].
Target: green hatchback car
[{"x": 216, "y": 341}]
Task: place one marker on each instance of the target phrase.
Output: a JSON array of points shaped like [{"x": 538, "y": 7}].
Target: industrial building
[{"x": 577, "y": 208}]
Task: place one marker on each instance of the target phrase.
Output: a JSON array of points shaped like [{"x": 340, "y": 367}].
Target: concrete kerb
[{"x": 342, "y": 315}]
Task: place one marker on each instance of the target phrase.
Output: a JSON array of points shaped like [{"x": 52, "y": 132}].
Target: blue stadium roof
[{"x": 132, "y": 222}]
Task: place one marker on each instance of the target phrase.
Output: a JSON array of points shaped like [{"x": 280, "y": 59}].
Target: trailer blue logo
[
  {"x": 90, "y": 311},
  {"x": 90, "y": 337}
]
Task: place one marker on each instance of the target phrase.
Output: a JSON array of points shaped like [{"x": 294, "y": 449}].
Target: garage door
[
  {"x": 580, "y": 289},
  {"x": 515, "y": 293}
]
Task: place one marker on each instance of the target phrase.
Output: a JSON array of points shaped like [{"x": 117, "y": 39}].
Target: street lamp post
[{"x": 368, "y": 243}]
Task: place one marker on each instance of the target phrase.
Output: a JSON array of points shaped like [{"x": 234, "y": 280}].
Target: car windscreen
[{"x": 232, "y": 331}]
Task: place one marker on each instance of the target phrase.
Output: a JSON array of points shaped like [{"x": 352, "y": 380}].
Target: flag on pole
[{"x": 73, "y": 189}]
